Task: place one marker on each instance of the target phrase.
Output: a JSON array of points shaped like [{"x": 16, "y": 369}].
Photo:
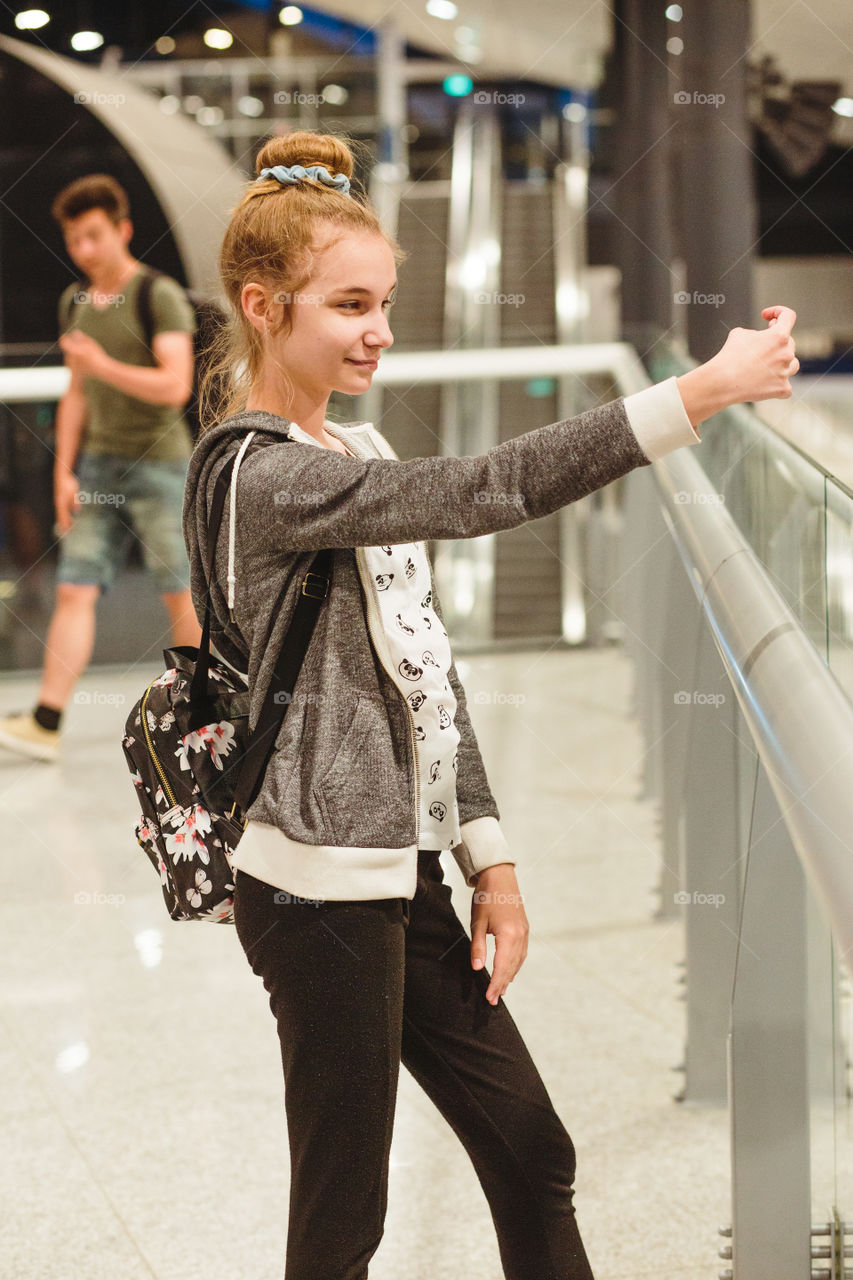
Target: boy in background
[{"x": 122, "y": 446}]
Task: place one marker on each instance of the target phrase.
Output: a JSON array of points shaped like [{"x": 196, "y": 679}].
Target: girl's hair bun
[{"x": 306, "y": 148}]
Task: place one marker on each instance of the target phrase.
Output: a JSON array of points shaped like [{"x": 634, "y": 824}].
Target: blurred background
[{"x": 660, "y": 675}]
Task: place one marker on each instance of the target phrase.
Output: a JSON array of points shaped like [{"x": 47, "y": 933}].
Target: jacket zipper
[
  {"x": 367, "y": 582},
  {"x": 364, "y": 573}
]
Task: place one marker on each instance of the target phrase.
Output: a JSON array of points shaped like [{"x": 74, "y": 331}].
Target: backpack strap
[
  {"x": 315, "y": 588},
  {"x": 144, "y": 308}
]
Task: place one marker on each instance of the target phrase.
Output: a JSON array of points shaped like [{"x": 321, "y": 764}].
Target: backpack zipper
[
  {"x": 160, "y": 774},
  {"x": 364, "y": 573}
]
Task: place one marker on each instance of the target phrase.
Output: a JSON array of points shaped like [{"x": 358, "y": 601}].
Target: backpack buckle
[
  {"x": 315, "y": 593},
  {"x": 241, "y": 821}
]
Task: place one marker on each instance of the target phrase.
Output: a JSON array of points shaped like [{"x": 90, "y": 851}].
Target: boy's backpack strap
[{"x": 144, "y": 307}]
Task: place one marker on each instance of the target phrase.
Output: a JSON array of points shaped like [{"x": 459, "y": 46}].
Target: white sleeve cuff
[
  {"x": 483, "y": 845},
  {"x": 659, "y": 420}
]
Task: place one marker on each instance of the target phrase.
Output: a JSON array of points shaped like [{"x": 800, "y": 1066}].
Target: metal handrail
[
  {"x": 799, "y": 716},
  {"x": 49, "y": 382}
]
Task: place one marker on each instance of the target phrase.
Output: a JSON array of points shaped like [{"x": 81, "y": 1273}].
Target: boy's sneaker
[{"x": 21, "y": 732}]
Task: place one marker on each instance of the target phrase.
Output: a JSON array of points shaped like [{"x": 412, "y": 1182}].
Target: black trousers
[{"x": 357, "y": 987}]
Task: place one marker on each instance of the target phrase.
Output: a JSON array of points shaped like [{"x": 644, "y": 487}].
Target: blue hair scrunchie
[{"x": 289, "y": 175}]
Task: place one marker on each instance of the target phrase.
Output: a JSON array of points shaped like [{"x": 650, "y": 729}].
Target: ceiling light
[
  {"x": 31, "y": 19},
  {"x": 84, "y": 41},
  {"x": 218, "y": 38}
]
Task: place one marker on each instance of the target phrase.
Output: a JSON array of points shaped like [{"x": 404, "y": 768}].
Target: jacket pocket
[{"x": 363, "y": 795}]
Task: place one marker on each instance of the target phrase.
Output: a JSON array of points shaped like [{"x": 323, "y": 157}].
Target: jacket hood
[{"x": 211, "y": 451}]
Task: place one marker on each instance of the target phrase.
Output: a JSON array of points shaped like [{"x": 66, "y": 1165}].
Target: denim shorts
[{"x": 121, "y": 496}]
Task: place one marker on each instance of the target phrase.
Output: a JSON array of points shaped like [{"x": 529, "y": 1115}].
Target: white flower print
[
  {"x": 216, "y": 739},
  {"x": 186, "y": 840},
  {"x": 222, "y": 911}
]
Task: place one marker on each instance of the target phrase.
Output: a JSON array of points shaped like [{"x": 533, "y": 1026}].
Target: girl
[{"x": 340, "y": 900}]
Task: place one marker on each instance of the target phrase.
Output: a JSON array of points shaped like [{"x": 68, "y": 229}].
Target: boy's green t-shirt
[{"x": 118, "y": 423}]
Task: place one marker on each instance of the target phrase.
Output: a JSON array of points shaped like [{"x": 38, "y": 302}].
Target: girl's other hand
[{"x": 497, "y": 908}]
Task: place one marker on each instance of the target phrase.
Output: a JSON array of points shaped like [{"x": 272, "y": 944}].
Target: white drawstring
[{"x": 232, "y": 520}]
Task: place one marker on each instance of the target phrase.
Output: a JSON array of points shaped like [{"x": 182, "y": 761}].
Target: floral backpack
[{"x": 196, "y": 766}]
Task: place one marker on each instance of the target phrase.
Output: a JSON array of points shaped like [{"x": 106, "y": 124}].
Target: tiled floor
[{"x": 142, "y": 1110}]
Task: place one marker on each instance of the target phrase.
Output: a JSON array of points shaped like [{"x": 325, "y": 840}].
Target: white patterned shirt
[{"x": 421, "y": 658}]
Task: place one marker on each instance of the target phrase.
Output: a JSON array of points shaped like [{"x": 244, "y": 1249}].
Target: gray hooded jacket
[{"x": 336, "y": 814}]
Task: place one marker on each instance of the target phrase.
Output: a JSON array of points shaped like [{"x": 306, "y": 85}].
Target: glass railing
[
  {"x": 796, "y": 516},
  {"x": 768, "y": 1022}
]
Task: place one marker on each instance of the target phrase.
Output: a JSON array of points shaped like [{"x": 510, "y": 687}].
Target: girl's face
[{"x": 340, "y": 319}]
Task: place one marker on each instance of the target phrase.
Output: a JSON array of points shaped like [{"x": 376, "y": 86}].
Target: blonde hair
[{"x": 273, "y": 238}]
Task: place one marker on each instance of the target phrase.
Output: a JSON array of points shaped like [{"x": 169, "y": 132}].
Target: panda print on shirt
[
  {"x": 421, "y": 656},
  {"x": 421, "y": 659}
]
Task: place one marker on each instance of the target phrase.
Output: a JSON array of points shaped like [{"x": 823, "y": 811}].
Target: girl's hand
[
  {"x": 497, "y": 908},
  {"x": 752, "y": 364},
  {"x": 759, "y": 362}
]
